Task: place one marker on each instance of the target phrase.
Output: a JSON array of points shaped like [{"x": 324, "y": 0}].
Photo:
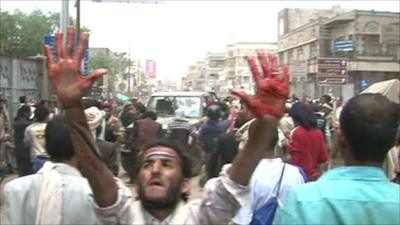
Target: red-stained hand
[
  {"x": 271, "y": 88},
  {"x": 64, "y": 70}
]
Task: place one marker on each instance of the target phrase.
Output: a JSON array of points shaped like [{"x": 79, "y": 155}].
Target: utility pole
[
  {"x": 64, "y": 19},
  {"x": 129, "y": 71},
  {"x": 78, "y": 19}
]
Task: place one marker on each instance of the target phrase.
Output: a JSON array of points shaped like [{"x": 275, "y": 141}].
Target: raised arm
[
  {"x": 268, "y": 104},
  {"x": 70, "y": 86}
]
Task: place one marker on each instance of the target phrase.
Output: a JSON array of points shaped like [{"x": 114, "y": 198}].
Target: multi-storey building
[
  {"x": 194, "y": 80},
  {"x": 236, "y": 71},
  {"x": 367, "y": 40}
]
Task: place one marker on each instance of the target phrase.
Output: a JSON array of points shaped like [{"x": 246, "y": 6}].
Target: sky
[{"x": 178, "y": 33}]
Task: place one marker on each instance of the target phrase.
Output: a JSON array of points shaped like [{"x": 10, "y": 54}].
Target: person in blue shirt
[
  {"x": 208, "y": 136},
  {"x": 359, "y": 192}
]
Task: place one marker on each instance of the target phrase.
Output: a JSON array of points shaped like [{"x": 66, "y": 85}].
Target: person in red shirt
[{"x": 307, "y": 146}]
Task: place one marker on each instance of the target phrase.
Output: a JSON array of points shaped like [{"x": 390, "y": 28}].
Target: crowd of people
[{"x": 267, "y": 159}]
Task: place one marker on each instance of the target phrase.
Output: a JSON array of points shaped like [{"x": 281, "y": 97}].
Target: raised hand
[
  {"x": 65, "y": 72},
  {"x": 271, "y": 87}
]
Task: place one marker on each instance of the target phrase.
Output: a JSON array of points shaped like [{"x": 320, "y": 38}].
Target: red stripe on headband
[{"x": 159, "y": 151}]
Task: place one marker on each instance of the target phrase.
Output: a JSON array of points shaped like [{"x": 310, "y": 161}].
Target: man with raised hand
[{"x": 162, "y": 169}]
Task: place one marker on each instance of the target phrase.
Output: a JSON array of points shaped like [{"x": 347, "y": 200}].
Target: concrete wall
[{"x": 21, "y": 77}]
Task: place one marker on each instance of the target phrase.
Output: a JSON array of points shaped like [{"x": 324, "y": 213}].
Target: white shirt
[
  {"x": 262, "y": 183},
  {"x": 20, "y": 198}
]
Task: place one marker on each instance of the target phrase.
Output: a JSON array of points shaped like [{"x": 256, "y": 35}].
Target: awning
[{"x": 389, "y": 88}]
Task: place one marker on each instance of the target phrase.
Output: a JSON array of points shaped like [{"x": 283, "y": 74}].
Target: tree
[
  {"x": 116, "y": 63},
  {"x": 22, "y": 35}
]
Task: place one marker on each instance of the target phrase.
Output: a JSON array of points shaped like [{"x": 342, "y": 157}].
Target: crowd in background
[
  {"x": 301, "y": 151},
  {"x": 306, "y": 134}
]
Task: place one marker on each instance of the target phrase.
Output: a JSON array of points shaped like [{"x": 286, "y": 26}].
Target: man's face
[
  {"x": 244, "y": 114},
  {"x": 160, "y": 179},
  {"x": 108, "y": 112}
]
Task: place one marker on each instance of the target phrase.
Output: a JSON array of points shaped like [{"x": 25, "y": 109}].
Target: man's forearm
[
  {"x": 247, "y": 160},
  {"x": 100, "y": 178}
]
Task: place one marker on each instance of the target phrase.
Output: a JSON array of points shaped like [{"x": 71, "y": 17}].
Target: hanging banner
[{"x": 150, "y": 69}]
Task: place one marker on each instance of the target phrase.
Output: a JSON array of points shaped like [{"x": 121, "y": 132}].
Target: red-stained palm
[
  {"x": 64, "y": 70},
  {"x": 271, "y": 88}
]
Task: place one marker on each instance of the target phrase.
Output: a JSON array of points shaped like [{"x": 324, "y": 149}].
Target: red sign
[
  {"x": 332, "y": 71},
  {"x": 150, "y": 69}
]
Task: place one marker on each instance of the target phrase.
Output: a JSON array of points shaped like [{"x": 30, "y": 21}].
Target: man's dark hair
[
  {"x": 150, "y": 114},
  {"x": 184, "y": 159},
  {"x": 22, "y": 110},
  {"x": 90, "y": 102},
  {"x": 127, "y": 118},
  {"x": 303, "y": 115},
  {"x": 22, "y": 99},
  {"x": 44, "y": 101},
  {"x": 369, "y": 122},
  {"x": 214, "y": 112},
  {"x": 139, "y": 107},
  {"x": 58, "y": 140},
  {"x": 41, "y": 112},
  {"x": 326, "y": 98}
]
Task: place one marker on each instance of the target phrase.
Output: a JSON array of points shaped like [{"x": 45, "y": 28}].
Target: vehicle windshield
[{"x": 187, "y": 106}]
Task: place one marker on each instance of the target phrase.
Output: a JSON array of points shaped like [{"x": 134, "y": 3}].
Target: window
[
  {"x": 290, "y": 56},
  {"x": 300, "y": 54},
  {"x": 371, "y": 45},
  {"x": 392, "y": 49},
  {"x": 313, "y": 50},
  {"x": 350, "y": 37},
  {"x": 168, "y": 105}
]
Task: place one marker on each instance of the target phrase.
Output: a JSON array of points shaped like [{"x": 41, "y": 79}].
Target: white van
[{"x": 166, "y": 104}]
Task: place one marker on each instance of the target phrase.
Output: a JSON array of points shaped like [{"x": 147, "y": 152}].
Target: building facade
[
  {"x": 236, "y": 72},
  {"x": 367, "y": 41}
]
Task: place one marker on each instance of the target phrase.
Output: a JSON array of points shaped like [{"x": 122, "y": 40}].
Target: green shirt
[{"x": 344, "y": 195}]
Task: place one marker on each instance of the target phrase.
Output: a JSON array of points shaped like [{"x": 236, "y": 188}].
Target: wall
[{"x": 20, "y": 77}]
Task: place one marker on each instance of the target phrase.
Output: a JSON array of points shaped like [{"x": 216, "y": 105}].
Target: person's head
[
  {"x": 45, "y": 103},
  {"x": 127, "y": 118},
  {"x": 163, "y": 175},
  {"x": 303, "y": 115},
  {"x": 325, "y": 99},
  {"x": 22, "y": 99},
  {"x": 368, "y": 125},
  {"x": 214, "y": 112},
  {"x": 24, "y": 112},
  {"x": 90, "y": 102},
  {"x": 139, "y": 107},
  {"x": 150, "y": 114},
  {"x": 128, "y": 107},
  {"x": 58, "y": 141},
  {"x": 244, "y": 115},
  {"x": 41, "y": 113},
  {"x": 224, "y": 110},
  {"x": 107, "y": 108}
]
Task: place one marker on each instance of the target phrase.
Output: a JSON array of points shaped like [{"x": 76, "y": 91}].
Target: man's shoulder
[
  {"x": 22, "y": 184},
  {"x": 311, "y": 191}
]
